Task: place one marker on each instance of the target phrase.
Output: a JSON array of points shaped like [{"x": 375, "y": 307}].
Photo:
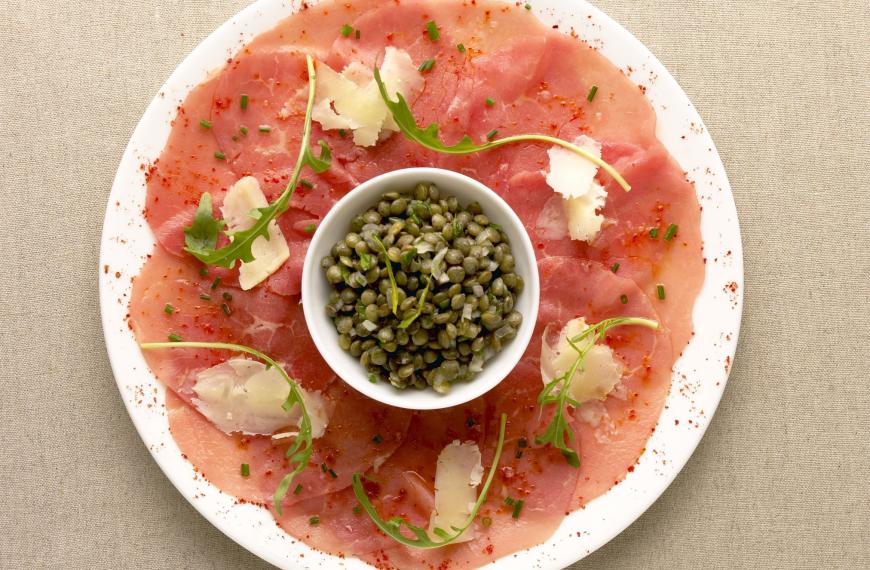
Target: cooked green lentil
[{"x": 453, "y": 275}]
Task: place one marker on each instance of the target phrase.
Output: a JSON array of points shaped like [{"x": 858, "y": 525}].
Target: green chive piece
[
  {"x": 660, "y": 292},
  {"x": 264, "y": 129},
  {"x": 432, "y": 28},
  {"x": 486, "y": 521},
  {"x": 205, "y": 124},
  {"x": 342, "y": 133},
  {"x": 205, "y": 297},
  {"x": 227, "y": 296},
  {"x": 308, "y": 184},
  {"x": 671, "y": 232},
  {"x": 377, "y": 439},
  {"x": 491, "y": 134},
  {"x": 243, "y": 129},
  {"x": 243, "y": 101},
  {"x": 219, "y": 155},
  {"x": 518, "y": 507},
  {"x": 615, "y": 267},
  {"x": 426, "y": 66},
  {"x": 333, "y": 474},
  {"x": 246, "y": 470},
  {"x": 623, "y": 299},
  {"x": 215, "y": 283},
  {"x": 203, "y": 271},
  {"x": 528, "y": 6},
  {"x": 298, "y": 489},
  {"x": 592, "y": 93},
  {"x": 508, "y": 501},
  {"x": 518, "y": 454},
  {"x": 654, "y": 233},
  {"x": 461, "y": 48},
  {"x": 372, "y": 378},
  {"x": 357, "y": 510},
  {"x": 490, "y": 102},
  {"x": 174, "y": 337},
  {"x": 314, "y": 521},
  {"x": 356, "y": 34},
  {"x": 168, "y": 309},
  {"x": 309, "y": 229},
  {"x": 470, "y": 422},
  {"x": 323, "y": 467},
  {"x": 346, "y": 30},
  {"x": 226, "y": 309}
]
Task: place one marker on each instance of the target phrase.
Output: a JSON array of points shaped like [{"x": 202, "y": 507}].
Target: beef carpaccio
[{"x": 517, "y": 76}]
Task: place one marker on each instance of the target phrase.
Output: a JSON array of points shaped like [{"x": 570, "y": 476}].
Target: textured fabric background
[{"x": 779, "y": 481}]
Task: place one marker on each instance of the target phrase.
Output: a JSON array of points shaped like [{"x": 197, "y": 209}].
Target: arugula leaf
[
  {"x": 559, "y": 433},
  {"x": 242, "y": 240},
  {"x": 420, "y": 304},
  {"x": 299, "y": 453},
  {"x": 394, "y": 290},
  {"x": 428, "y": 137},
  {"x": 393, "y": 527},
  {"x": 203, "y": 233}
]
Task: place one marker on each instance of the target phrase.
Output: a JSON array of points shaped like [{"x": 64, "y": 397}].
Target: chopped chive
[
  {"x": 432, "y": 28},
  {"x": 426, "y": 66},
  {"x": 508, "y": 501},
  {"x": 219, "y": 155},
  {"x": 168, "y": 309},
  {"x": 174, "y": 337},
  {"x": 306, "y": 183},
  {"x": 461, "y": 48},
  {"x": 309, "y": 229},
  {"x": 298, "y": 489},
  {"x": 323, "y": 467},
  {"x": 592, "y": 93},
  {"x": 491, "y": 134},
  {"x": 519, "y": 454},
  {"x": 314, "y": 521},
  {"x": 671, "y": 232},
  {"x": 470, "y": 422},
  {"x": 356, "y": 34},
  {"x": 518, "y": 507},
  {"x": 377, "y": 439},
  {"x": 490, "y": 102},
  {"x": 203, "y": 271},
  {"x": 243, "y": 101},
  {"x": 243, "y": 129},
  {"x": 528, "y": 6},
  {"x": 372, "y": 378},
  {"x": 660, "y": 292},
  {"x": 342, "y": 133},
  {"x": 205, "y": 297},
  {"x": 522, "y": 442},
  {"x": 346, "y": 30},
  {"x": 215, "y": 283},
  {"x": 205, "y": 124},
  {"x": 654, "y": 233},
  {"x": 264, "y": 128},
  {"x": 227, "y": 296},
  {"x": 615, "y": 267},
  {"x": 333, "y": 473},
  {"x": 246, "y": 470},
  {"x": 357, "y": 510},
  {"x": 623, "y": 299},
  {"x": 226, "y": 309},
  {"x": 235, "y": 138}
]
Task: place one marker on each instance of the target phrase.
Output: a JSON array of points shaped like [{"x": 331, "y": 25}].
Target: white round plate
[{"x": 699, "y": 375}]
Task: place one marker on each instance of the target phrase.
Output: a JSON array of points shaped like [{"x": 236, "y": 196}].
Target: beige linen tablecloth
[{"x": 779, "y": 481}]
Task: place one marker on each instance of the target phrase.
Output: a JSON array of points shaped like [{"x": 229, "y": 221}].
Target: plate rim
[{"x": 226, "y": 515}]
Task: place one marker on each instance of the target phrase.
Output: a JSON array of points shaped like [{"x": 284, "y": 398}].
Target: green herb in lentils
[{"x": 423, "y": 289}]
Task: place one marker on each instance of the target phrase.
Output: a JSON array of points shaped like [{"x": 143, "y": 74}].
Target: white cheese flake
[
  {"x": 573, "y": 177},
  {"x": 457, "y": 475},
  {"x": 351, "y": 100},
  {"x": 242, "y": 396},
  {"x": 239, "y": 210},
  {"x": 601, "y": 370}
]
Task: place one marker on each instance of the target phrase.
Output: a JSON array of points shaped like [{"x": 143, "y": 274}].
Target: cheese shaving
[
  {"x": 600, "y": 372},
  {"x": 239, "y": 211},
  {"x": 243, "y": 396},
  {"x": 457, "y": 475},
  {"x": 351, "y": 100},
  {"x": 573, "y": 177}
]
